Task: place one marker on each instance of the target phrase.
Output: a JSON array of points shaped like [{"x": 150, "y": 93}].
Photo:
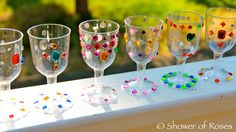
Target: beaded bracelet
[{"x": 165, "y": 80}]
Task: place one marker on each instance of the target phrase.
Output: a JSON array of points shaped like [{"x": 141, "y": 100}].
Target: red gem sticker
[
  {"x": 97, "y": 46},
  {"x": 15, "y": 59},
  {"x": 231, "y": 34},
  {"x": 220, "y": 45},
  {"x": 189, "y": 55},
  {"x": 63, "y": 55},
  {"x": 95, "y": 38},
  {"x": 184, "y": 54},
  {"x": 11, "y": 116},
  {"x": 221, "y": 34},
  {"x": 171, "y": 23},
  {"x": 190, "y": 27},
  {"x": 112, "y": 43},
  {"x": 217, "y": 80},
  {"x": 222, "y": 24},
  {"x": 230, "y": 73},
  {"x": 174, "y": 25},
  {"x": 181, "y": 26},
  {"x": 211, "y": 32},
  {"x": 45, "y": 55}
]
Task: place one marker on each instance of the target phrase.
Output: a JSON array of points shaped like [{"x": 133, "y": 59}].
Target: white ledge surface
[{"x": 130, "y": 112}]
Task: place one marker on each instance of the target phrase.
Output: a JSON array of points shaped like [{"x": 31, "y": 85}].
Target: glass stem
[
  {"x": 180, "y": 65},
  {"x": 140, "y": 73},
  {"x": 5, "y": 86},
  {"x": 217, "y": 57},
  {"x": 52, "y": 80},
  {"x": 98, "y": 74}
]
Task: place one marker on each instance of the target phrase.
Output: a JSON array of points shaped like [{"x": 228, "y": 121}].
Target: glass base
[
  {"x": 12, "y": 109},
  {"x": 179, "y": 80},
  {"x": 215, "y": 75},
  {"x": 53, "y": 103},
  {"x": 133, "y": 87},
  {"x": 104, "y": 96}
]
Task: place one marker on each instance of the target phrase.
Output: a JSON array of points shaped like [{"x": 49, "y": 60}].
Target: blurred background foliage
[{"x": 22, "y": 14}]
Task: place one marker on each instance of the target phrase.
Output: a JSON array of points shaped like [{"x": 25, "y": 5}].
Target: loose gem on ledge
[
  {"x": 112, "y": 36},
  {"x": 15, "y": 59},
  {"x": 59, "y": 106},
  {"x": 105, "y": 45},
  {"x": 105, "y": 99},
  {"x": 109, "y": 51},
  {"x": 96, "y": 53}
]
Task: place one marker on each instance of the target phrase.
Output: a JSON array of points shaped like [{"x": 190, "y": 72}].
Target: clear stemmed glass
[
  {"x": 142, "y": 33},
  {"x": 99, "y": 40},
  {"x": 11, "y": 47},
  {"x": 183, "y": 33},
  {"x": 50, "y": 52},
  {"x": 220, "y": 36}
]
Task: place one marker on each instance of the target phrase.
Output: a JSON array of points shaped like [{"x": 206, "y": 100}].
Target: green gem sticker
[
  {"x": 199, "y": 26},
  {"x": 116, "y": 50}
]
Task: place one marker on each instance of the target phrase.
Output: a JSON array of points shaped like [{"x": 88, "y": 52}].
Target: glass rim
[
  {"x": 91, "y": 20},
  {"x": 149, "y": 16},
  {"x": 50, "y": 24},
  {"x": 217, "y": 16},
  {"x": 186, "y": 11},
  {"x": 14, "y": 41}
]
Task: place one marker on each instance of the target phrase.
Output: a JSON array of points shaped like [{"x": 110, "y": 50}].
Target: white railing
[{"x": 130, "y": 112}]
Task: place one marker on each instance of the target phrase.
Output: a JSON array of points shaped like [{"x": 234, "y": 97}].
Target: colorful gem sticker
[
  {"x": 15, "y": 59},
  {"x": 104, "y": 56},
  {"x": 190, "y": 36},
  {"x": 221, "y": 34},
  {"x": 55, "y": 55},
  {"x": 54, "y": 46}
]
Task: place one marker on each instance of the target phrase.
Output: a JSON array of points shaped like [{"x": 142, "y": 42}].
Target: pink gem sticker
[
  {"x": 132, "y": 31},
  {"x": 134, "y": 91}
]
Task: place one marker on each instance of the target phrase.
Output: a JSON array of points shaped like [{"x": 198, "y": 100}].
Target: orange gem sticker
[
  {"x": 54, "y": 45},
  {"x": 104, "y": 56},
  {"x": 55, "y": 67},
  {"x": 46, "y": 98}
]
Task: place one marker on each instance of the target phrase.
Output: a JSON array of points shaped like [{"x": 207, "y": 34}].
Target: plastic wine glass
[
  {"x": 142, "y": 34},
  {"x": 50, "y": 52},
  {"x": 11, "y": 108},
  {"x": 183, "y": 33},
  {"x": 99, "y": 40},
  {"x": 220, "y": 36}
]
